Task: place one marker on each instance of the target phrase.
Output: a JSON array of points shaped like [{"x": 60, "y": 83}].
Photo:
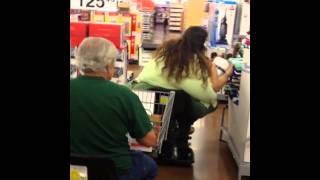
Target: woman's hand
[{"x": 219, "y": 81}]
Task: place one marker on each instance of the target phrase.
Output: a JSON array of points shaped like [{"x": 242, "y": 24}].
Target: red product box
[
  {"x": 111, "y": 32},
  {"x": 134, "y": 22},
  {"x": 113, "y": 14},
  {"x": 147, "y": 5},
  {"x": 75, "y": 11},
  {"x": 132, "y": 47},
  {"x": 78, "y": 31}
]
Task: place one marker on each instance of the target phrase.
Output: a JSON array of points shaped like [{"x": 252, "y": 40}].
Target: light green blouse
[{"x": 152, "y": 74}]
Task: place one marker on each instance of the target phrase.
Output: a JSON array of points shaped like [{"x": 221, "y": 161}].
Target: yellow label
[
  {"x": 99, "y": 18},
  {"x": 74, "y": 175},
  {"x": 112, "y": 18},
  {"x": 164, "y": 99},
  {"x": 139, "y": 22}
]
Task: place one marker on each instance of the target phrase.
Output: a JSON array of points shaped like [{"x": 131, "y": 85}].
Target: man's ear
[{"x": 109, "y": 68}]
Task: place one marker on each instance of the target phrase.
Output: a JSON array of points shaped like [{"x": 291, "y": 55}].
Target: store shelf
[
  {"x": 175, "y": 28},
  {"x": 161, "y": 20},
  {"x": 176, "y": 17},
  {"x": 145, "y": 56},
  {"x": 174, "y": 23},
  {"x": 176, "y": 6},
  {"x": 145, "y": 52},
  {"x": 176, "y": 10}
]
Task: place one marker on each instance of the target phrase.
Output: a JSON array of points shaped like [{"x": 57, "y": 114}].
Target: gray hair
[{"x": 95, "y": 53}]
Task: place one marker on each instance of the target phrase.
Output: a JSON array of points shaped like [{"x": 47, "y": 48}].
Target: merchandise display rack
[
  {"x": 98, "y": 29},
  {"x": 145, "y": 53},
  {"x": 147, "y": 25},
  {"x": 176, "y": 17}
]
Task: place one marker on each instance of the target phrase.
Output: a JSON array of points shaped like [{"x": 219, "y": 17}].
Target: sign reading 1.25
[{"x": 101, "y": 5}]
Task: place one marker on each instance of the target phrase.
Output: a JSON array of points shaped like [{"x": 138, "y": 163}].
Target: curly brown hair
[{"x": 186, "y": 54}]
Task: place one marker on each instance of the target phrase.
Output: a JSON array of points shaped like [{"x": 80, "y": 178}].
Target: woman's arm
[{"x": 219, "y": 82}]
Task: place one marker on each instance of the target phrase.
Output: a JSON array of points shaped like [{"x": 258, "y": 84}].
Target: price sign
[{"x": 98, "y": 5}]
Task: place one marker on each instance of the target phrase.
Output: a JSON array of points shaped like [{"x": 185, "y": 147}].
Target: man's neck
[{"x": 95, "y": 74}]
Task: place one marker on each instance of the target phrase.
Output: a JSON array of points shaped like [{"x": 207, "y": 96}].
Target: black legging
[{"x": 185, "y": 112}]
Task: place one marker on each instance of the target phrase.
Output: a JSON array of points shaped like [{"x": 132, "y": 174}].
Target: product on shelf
[
  {"x": 220, "y": 51},
  {"x": 112, "y": 17},
  {"x": 155, "y": 118},
  {"x": 133, "y": 22},
  {"x": 139, "y": 23},
  {"x": 78, "y": 172},
  {"x": 126, "y": 19},
  {"x": 146, "y": 5},
  {"x": 133, "y": 47},
  {"x": 118, "y": 71},
  {"x": 123, "y": 4},
  {"x": 74, "y": 15},
  {"x": 132, "y": 29},
  {"x": 112, "y": 32},
  {"x": 221, "y": 23},
  {"x": 238, "y": 63},
  {"x": 161, "y": 13},
  {"x": 98, "y": 17},
  {"x": 246, "y": 40},
  {"x": 245, "y": 18},
  {"x": 111, "y": 26},
  {"x": 85, "y": 15},
  {"x": 78, "y": 31}
]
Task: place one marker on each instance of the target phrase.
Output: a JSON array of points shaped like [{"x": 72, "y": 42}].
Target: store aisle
[
  {"x": 161, "y": 35},
  {"x": 213, "y": 160}
]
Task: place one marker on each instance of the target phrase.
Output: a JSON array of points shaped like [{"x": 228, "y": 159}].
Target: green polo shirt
[{"x": 101, "y": 114}]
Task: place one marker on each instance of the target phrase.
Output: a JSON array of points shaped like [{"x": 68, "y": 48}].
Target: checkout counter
[{"x": 236, "y": 131}]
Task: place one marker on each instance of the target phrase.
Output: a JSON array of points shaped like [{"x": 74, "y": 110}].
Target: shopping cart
[{"x": 158, "y": 105}]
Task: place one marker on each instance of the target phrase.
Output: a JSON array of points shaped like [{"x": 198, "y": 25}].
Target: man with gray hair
[{"x": 103, "y": 112}]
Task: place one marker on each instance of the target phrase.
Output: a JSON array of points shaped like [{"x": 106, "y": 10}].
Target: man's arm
[
  {"x": 140, "y": 126},
  {"x": 150, "y": 139}
]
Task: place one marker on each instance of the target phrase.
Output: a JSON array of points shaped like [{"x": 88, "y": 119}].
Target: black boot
[{"x": 185, "y": 153}]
